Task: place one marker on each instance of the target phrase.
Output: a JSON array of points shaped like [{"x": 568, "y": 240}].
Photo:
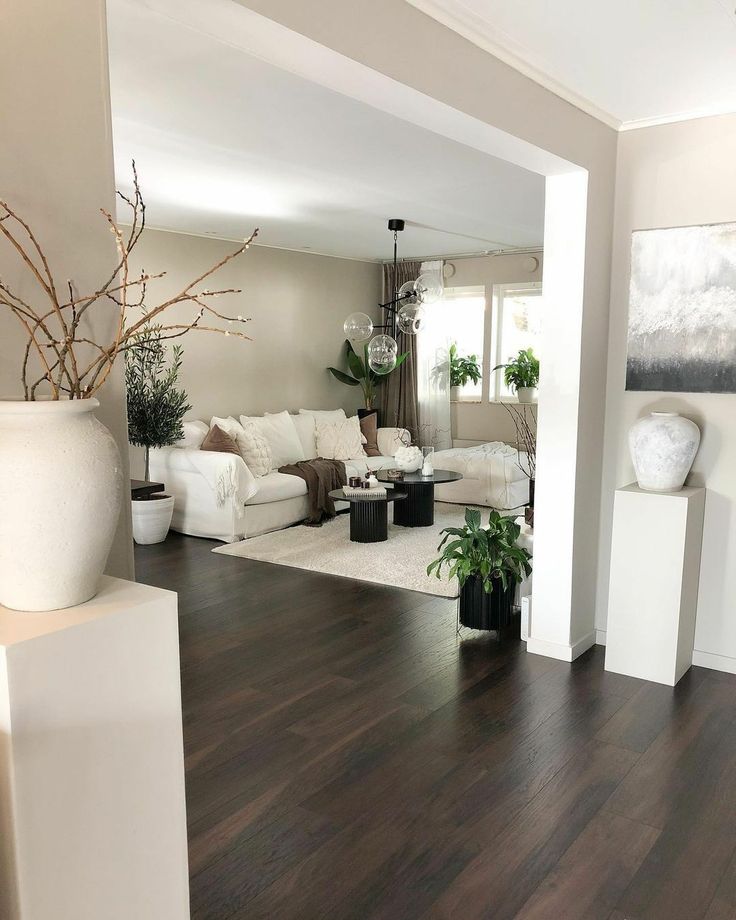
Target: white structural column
[
  {"x": 92, "y": 808},
  {"x": 655, "y": 566}
]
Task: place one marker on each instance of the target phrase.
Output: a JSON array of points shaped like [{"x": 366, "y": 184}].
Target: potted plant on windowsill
[
  {"x": 521, "y": 374},
  {"x": 488, "y": 565},
  {"x": 362, "y": 376},
  {"x": 462, "y": 370},
  {"x": 156, "y": 408}
]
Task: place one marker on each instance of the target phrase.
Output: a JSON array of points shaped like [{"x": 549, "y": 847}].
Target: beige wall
[
  {"x": 670, "y": 176},
  {"x": 56, "y": 170},
  {"x": 484, "y": 420},
  {"x": 297, "y": 303}
]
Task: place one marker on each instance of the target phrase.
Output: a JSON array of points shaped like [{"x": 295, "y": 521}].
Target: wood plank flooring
[{"x": 348, "y": 758}]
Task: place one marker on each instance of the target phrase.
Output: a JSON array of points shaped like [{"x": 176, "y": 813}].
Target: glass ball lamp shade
[
  {"x": 428, "y": 288},
  {"x": 358, "y": 327},
  {"x": 382, "y": 354},
  {"x": 411, "y": 318}
]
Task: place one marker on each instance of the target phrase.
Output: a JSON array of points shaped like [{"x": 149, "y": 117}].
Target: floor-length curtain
[
  {"x": 399, "y": 407},
  {"x": 433, "y": 372}
]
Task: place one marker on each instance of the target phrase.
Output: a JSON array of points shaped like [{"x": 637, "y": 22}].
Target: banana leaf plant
[
  {"x": 488, "y": 552},
  {"x": 361, "y": 374}
]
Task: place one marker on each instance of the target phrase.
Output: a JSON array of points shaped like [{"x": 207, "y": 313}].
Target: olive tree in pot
[
  {"x": 522, "y": 375},
  {"x": 156, "y": 407},
  {"x": 488, "y": 564},
  {"x": 461, "y": 371}
]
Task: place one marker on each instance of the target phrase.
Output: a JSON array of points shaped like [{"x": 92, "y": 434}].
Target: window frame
[
  {"x": 459, "y": 292},
  {"x": 533, "y": 288}
]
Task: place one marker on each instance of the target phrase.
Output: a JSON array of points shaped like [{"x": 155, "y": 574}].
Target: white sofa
[
  {"x": 217, "y": 496},
  {"x": 493, "y": 475}
]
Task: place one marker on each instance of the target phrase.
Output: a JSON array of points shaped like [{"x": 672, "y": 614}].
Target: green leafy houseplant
[
  {"x": 463, "y": 369},
  {"x": 360, "y": 373},
  {"x": 521, "y": 372},
  {"x": 156, "y": 405},
  {"x": 489, "y": 553}
]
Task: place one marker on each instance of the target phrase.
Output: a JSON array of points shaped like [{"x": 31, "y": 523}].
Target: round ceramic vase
[
  {"x": 663, "y": 446},
  {"x": 61, "y": 489}
]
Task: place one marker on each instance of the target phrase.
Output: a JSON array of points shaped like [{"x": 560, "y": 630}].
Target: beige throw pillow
[{"x": 340, "y": 441}]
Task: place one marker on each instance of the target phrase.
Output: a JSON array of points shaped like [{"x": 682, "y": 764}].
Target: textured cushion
[
  {"x": 307, "y": 432},
  {"x": 325, "y": 415},
  {"x": 194, "y": 434},
  {"x": 216, "y": 439},
  {"x": 369, "y": 427},
  {"x": 280, "y": 432},
  {"x": 342, "y": 441},
  {"x": 277, "y": 487},
  {"x": 255, "y": 449}
]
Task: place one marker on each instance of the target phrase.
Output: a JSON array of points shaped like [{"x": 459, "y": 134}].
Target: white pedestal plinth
[
  {"x": 92, "y": 808},
  {"x": 655, "y": 565}
]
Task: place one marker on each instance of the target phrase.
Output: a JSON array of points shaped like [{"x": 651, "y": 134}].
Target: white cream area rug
[{"x": 400, "y": 562}]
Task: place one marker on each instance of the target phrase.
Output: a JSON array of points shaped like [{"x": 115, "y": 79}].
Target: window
[
  {"x": 517, "y": 311},
  {"x": 464, "y": 313}
]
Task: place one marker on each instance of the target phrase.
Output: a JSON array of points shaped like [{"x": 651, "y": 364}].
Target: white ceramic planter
[
  {"x": 663, "y": 446},
  {"x": 152, "y": 518},
  {"x": 61, "y": 488},
  {"x": 527, "y": 394},
  {"x": 455, "y": 394}
]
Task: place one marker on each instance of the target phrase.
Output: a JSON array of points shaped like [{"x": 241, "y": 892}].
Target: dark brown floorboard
[{"x": 347, "y": 757}]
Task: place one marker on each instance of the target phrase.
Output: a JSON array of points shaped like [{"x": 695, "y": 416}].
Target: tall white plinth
[
  {"x": 655, "y": 565},
  {"x": 92, "y": 809}
]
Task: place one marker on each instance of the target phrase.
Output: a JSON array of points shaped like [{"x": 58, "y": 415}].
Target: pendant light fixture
[{"x": 405, "y": 313}]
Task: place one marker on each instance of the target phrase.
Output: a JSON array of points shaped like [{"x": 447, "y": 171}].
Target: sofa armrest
[
  {"x": 226, "y": 474},
  {"x": 389, "y": 440}
]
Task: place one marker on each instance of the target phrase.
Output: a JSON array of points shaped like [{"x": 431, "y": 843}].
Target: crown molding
[
  {"x": 675, "y": 118},
  {"x": 478, "y": 31}
]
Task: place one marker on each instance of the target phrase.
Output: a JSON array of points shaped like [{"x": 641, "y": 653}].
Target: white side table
[
  {"x": 92, "y": 808},
  {"x": 653, "y": 593}
]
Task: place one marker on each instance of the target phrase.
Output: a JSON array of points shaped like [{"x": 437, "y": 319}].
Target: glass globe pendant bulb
[
  {"x": 408, "y": 293},
  {"x": 411, "y": 318},
  {"x": 428, "y": 288},
  {"x": 358, "y": 327},
  {"x": 382, "y": 354}
]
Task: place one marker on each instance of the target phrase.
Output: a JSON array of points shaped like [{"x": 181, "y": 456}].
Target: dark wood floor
[{"x": 348, "y": 757}]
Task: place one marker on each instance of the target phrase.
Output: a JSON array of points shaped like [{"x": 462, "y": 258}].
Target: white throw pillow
[
  {"x": 305, "y": 428},
  {"x": 341, "y": 441},
  {"x": 252, "y": 446},
  {"x": 334, "y": 416},
  {"x": 280, "y": 432},
  {"x": 194, "y": 434}
]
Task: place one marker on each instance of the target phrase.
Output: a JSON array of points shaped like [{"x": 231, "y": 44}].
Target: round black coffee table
[
  {"x": 368, "y": 516},
  {"x": 418, "y": 510}
]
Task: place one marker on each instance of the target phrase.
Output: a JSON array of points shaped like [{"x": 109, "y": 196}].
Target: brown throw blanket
[{"x": 321, "y": 477}]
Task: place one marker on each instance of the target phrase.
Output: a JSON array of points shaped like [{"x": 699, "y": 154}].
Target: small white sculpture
[
  {"x": 408, "y": 459},
  {"x": 663, "y": 446}
]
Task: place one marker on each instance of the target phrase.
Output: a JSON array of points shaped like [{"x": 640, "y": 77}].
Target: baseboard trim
[
  {"x": 702, "y": 659},
  {"x": 559, "y": 651}
]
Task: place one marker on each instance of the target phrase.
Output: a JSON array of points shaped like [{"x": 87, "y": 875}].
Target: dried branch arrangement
[
  {"x": 524, "y": 417},
  {"x": 56, "y": 331}
]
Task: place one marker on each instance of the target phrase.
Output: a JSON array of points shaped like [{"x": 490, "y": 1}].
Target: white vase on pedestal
[
  {"x": 663, "y": 446},
  {"x": 61, "y": 489}
]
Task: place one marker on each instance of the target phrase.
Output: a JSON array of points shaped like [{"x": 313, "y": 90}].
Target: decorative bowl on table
[{"x": 408, "y": 459}]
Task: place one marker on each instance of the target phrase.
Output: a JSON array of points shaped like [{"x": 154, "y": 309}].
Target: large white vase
[
  {"x": 61, "y": 488},
  {"x": 663, "y": 446}
]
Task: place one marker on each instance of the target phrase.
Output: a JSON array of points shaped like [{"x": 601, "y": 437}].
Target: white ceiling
[
  {"x": 224, "y": 141},
  {"x": 630, "y": 62}
]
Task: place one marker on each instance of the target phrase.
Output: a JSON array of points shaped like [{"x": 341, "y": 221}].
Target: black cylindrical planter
[
  {"x": 529, "y": 510},
  {"x": 480, "y": 610}
]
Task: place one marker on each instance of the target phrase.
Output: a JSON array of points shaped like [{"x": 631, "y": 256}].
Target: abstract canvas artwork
[{"x": 682, "y": 310}]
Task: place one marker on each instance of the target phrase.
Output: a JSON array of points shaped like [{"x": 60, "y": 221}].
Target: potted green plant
[
  {"x": 488, "y": 564},
  {"x": 462, "y": 369},
  {"x": 156, "y": 407},
  {"x": 362, "y": 376},
  {"x": 522, "y": 375}
]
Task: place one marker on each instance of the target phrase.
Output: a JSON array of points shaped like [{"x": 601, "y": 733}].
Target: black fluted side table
[
  {"x": 368, "y": 516},
  {"x": 418, "y": 510}
]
